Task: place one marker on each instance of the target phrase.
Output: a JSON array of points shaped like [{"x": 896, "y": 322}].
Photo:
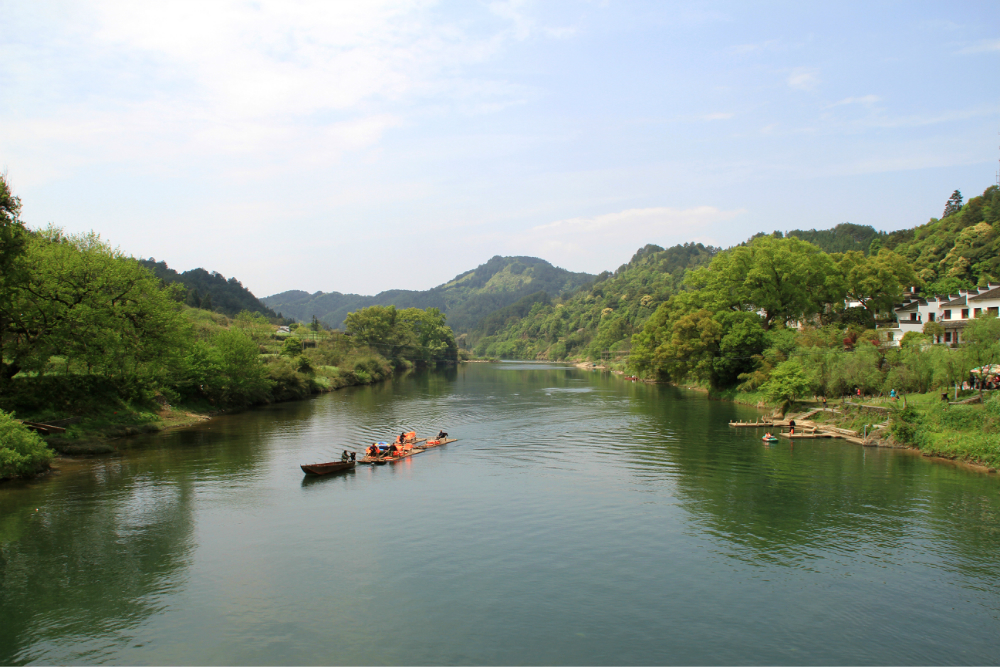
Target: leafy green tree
[
  {"x": 254, "y": 325},
  {"x": 375, "y": 326},
  {"x": 22, "y": 452},
  {"x": 291, "y": 348},
  {"x": 691, "y": 347},
  {"x": 431, "y": 339},
  {"x": 241, "y": 378},
  {"x": 13, "y": 267},
  {"x": 785, "y": 279},
  {"x": 876, "y": 281},
  {"x": 788, "y": 380},
  {"x": 314, "y": 325},
  {"x": 743, "y": 340},
  {"x": 94, "y": 306},
  {"x": 981, "y": 343}
]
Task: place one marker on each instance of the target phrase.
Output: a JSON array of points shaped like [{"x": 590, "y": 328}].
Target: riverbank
[{"x": 966, "y": 435}]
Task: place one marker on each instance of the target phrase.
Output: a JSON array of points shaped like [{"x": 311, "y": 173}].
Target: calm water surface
[{"x": 580, "y": 519}]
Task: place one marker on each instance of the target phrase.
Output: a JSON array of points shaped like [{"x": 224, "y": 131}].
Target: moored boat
[{"x": 326, "y": 468}]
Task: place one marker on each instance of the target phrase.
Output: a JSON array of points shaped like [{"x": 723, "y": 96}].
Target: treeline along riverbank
[
  {"x": 786, "y": 316},
  {"x": 93, "y": 342}
]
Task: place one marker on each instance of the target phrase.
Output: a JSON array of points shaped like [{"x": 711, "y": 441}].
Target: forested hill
[
  {"x": 466, "y": 299},
  {"x": 604, "y": 316},
  {"x": 843, "y": 237},
  {"x": 210, "y": 291},
  {"x": 961, "y": 250}
]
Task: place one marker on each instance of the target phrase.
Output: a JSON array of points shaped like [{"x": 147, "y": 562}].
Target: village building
[{"x": 952, "y": 312}]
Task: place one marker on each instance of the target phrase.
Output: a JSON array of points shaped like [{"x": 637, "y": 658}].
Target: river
[{"x": 579, "y": 519}]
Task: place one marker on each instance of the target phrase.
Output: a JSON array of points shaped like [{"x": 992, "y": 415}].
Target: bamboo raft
[{"x": 407, "y": 453}]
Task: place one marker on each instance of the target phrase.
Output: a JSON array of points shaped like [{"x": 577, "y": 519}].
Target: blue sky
[{"x": 357, "y": 147}]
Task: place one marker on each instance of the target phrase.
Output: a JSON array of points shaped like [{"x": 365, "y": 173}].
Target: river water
[{"x": 579, "y": 519}]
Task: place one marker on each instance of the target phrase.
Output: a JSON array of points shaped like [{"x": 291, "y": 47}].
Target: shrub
[{"x": 22, "y": 452}]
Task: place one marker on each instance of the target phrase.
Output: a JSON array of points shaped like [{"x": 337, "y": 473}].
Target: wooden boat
[
  {"x": 327, "y": 468},
  {"x": 438, "y": 443}
]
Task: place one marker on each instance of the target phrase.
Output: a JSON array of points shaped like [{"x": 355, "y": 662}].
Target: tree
[
  {"x": 22, "y": 452},
  {"x": 375, "y": 326},
  {"x": 784, "y": 279},
  {"x": 876, "y": 281},
  {"x": 981, "y": 344},
  {"x": 787, "y": 381},
  {"x": 240, "y": 377},
  {"x": 94, "y": 306},
  {"x": 13, "y": 243},
  {"x": 691, "y": 348},
  {"x": 254, "y": 325},
  {"x": 954, "y": 204},
  {"x": 432, "y": 339},
  {"x": 314, "y": 325}
]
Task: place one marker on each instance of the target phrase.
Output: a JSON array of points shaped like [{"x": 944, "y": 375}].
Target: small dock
[{"x": 806, "y": 429}]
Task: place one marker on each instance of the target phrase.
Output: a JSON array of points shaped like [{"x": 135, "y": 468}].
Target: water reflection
[
  {"x": 579, "y": 519},
  {"x": 104, "y": 551}
]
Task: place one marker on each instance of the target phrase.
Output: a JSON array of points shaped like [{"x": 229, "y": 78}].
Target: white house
[{"x": 952, "y": 311}]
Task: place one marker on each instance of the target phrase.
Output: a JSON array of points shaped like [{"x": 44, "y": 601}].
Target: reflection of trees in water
[
  {"x": 94, "y": 563},
  {"x": 792, "y": 505}
]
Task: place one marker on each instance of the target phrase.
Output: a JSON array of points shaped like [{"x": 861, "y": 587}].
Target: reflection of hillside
[
  {"x": 792, "y": 506},
  {"x": 78, "y": 573}
]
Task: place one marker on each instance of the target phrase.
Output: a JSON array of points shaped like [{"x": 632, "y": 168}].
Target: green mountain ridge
[
  {"x": 466, "y": 299},
  {"x": 210, "y": 290},
  {"x": 961, "y": 250}
]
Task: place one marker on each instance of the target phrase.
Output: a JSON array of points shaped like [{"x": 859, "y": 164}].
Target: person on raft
[
  {"x": 442, "y": 435},
  {"x": 791, "y": 427},
  {"x": 354, "y": 457},
  {"x": 344, "y": 457},
  {"x": 402, "y": 438}
]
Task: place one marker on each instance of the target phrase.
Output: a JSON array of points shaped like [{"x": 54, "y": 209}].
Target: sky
[{"x": 363, "y": 146}]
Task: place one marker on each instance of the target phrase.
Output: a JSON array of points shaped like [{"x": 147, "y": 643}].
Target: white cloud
[
  {"x": 866, "y": 100},
  {"x": 984, "y": 46},
  {"x": 803, "y": 78},
  {"x": 215, "y": 80}
]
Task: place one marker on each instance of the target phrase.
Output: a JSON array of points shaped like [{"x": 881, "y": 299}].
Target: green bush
[
  {"x": 22, "y": 453},
  {"x": 906, "y": 426}
]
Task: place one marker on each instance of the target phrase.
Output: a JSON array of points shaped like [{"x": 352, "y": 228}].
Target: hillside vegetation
[
  {"x": 961, "y": 250},
  {"x": 466, "y": 299},
  {"x": 92, "y": 341},
  {"x": 209, "y": 290},
  {"x": 601, "y": 317}
]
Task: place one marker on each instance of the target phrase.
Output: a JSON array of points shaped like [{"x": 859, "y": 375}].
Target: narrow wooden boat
[
  {"x": 327, "y": 468},
  {"x": 438, "y": 443}
]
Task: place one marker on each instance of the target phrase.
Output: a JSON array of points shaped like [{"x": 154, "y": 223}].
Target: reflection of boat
[{"x": 327, "y": 468}]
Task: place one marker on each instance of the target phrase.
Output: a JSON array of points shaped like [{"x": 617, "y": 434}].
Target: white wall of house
[{"x": 952, "y": 312}]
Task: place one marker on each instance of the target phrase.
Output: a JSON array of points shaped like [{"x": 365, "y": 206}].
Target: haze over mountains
[{"x": 466, "y": 299}]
